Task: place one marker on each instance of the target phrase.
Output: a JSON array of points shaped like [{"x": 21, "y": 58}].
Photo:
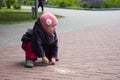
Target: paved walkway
[{"x": 91, "y": 52}]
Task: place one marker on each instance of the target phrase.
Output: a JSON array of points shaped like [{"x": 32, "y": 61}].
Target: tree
[
  {"x": 1, "y": 2},
  {"x": 9, "y": 3}
]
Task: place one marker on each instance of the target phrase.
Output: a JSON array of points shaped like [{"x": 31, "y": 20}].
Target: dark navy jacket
[{"x": 41, "y": 40}]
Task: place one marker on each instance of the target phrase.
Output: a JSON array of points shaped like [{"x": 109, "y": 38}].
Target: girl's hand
[
  {"x": 53, "y": 60},
  {"x": 45, "y": 60}
]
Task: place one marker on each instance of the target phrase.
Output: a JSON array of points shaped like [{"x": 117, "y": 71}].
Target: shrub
[
  {"x": 20, "y": 1},
  {"x": 29, "y": 2},
  {"x": 53, "y": 2},
  {"x": 111, "y": 3},
  {"x": 62, "y": 3},
  {"x": 85, "y": 5},
  {"x": 65, "y": 3},
  {"x": 1, "y": 3},
  {"x": 9, "y": 3},
  {"x": 17, "y": 6}
]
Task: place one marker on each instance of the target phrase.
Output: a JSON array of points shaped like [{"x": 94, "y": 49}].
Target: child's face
[{"x": 51, "y": 30}]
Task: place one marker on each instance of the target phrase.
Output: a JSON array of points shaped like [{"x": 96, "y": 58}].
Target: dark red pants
[{"x": 29, "y": 53}]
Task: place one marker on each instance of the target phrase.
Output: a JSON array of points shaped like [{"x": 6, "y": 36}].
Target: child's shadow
[
  {"x": 36, "y": 64},
  {"x": 40, "y": 64}
]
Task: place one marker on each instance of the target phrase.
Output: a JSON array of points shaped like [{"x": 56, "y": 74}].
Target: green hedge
[
  {"x": 112, "y": 3},
  {"x": 29, "y": 2},
  {"x": 1, "y": 3},
  {"x": 9, "y": 3},
  {"x": 67, "y": 3},
  {"x": 62, "y": 3},
  {"x": 79, "y": 4},
  {"x": 17, "y": 6}
]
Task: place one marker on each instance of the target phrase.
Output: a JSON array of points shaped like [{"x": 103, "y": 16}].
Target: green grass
[
  {"x": 10, "y": 16},
  {"x": 15, "y": 17}
]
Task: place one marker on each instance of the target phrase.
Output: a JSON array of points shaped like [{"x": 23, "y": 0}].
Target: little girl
[{"x": 41, "y": 41}]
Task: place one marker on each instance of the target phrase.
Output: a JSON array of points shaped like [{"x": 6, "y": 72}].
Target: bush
[
  {"x": 17, "y": 6},
  {"x": 85, "y": 5},
  {"x": 9, "y": 3},
  {"x": 111, "y": 3},
  {"x": 77, "y": 3},
  {"x": 1, "y": 3},
  {"x": 63, "y": 4},
  {"x": 20, "y": 1},
  {"x": 29, "y": 2},
  {"x": 53, "y": 2}
]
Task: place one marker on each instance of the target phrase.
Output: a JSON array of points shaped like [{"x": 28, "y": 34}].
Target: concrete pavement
[
  {"x": 74, "y": 19},
  {"x": 90, "y": 52}
]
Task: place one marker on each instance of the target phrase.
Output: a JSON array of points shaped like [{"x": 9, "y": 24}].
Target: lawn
[
  {"x": 11, "y": 16},
  {"x": 8, "y": 17},
  {"x": 16, "y": 16}
]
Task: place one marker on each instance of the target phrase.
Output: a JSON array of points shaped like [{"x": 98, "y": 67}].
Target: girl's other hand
[{"x": 45, "y": 60}]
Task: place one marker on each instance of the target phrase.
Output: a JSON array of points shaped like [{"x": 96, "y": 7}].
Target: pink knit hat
[{"x": 47, "y": 19}]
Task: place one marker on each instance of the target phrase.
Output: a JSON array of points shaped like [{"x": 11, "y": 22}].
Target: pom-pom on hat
[{"x": 47, "y": 19}]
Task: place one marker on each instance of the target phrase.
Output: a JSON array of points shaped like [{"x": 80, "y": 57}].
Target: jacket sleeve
[
  {"x": 27, "y": 36},
  {"x": 54, "y": 48},
  {"x": 37, "y": 43}
]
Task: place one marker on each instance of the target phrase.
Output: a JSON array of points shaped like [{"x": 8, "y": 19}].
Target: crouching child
[{"x": 41, "y": 41}]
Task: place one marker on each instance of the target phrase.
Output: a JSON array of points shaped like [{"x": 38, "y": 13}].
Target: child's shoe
[{"x": 29, "y": 63}]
